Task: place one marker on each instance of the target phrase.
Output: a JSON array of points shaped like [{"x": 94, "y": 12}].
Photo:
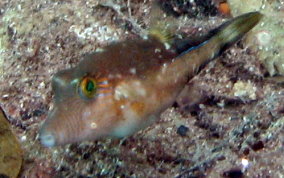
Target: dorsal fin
[{"x": 161, "y": 25}]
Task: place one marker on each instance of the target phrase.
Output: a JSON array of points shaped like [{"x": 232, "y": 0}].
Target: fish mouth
[
  {"x": 55, "y": 133},
  {"x": 46, "y": 138}
]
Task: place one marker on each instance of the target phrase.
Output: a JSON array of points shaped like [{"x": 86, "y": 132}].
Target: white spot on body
[
  {"x": 132, "y": 89},
  {"x": 132, "y": 70},
  {"x": 93, "y": 125},
  {"x": 157, "y": 50},
  {"x": 121, "y": 91}
]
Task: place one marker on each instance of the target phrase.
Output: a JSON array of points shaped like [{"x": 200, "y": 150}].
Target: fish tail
[
  {"x": 233, "y": 30},
  {"x": 219, "y": 40}
]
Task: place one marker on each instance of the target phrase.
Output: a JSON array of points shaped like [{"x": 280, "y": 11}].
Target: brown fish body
[{"x": 125, "y": 86}]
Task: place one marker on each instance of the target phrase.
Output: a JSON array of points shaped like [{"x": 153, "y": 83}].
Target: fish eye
[{"x": 87, "y": 87}]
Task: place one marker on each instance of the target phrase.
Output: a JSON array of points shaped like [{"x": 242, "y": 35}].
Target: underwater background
[{"x": 232, "y": 125}]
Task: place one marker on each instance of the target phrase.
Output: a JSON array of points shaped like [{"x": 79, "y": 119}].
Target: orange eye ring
[{"x": 88, "y": 87}]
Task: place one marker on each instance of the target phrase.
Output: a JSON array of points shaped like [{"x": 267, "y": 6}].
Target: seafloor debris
[
  {"x": 242, "y": 89},
  {"x": 45, "y": 36},
  {"x": 224, "y": 8},
  {"x": 266, "y": 38},
  {"x": 10, "y": 150}
]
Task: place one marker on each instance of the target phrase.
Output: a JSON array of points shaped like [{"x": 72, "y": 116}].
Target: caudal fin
[
  {"x": 233, "y": 30},
  {"x": 218, "y": 40},
  {"x": 221, "y": 37}
]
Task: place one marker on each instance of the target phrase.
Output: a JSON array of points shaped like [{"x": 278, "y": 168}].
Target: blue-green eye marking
[{"x": 88, "y": 87}]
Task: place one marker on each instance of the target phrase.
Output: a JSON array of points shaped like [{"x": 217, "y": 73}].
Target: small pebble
[
  {"x": 257, "y": 146},
  {"x": 3, "y": 176},
  {"x": 233, "y": 173},
  {"x": 38, "y": 112},
  {"x": 182, "y": 130}
]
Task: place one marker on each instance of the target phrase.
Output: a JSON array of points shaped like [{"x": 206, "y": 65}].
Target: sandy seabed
[{"x": 235, "y": 128}]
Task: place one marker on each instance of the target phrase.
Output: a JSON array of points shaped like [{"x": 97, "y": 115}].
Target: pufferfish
[{"x": 123, "y": 88}]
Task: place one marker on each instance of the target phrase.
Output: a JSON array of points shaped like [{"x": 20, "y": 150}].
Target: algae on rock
[
  {"x": 267, "y": 37},
  {"x": 10, "y": 150}
]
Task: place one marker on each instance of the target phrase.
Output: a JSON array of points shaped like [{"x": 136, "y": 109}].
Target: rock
[
  {"x": 10, "y": 150},
  {"x": 267, "y": 37}
]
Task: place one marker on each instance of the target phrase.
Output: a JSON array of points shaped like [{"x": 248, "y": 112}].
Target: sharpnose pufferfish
[{"x": 124, "y": 87}]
